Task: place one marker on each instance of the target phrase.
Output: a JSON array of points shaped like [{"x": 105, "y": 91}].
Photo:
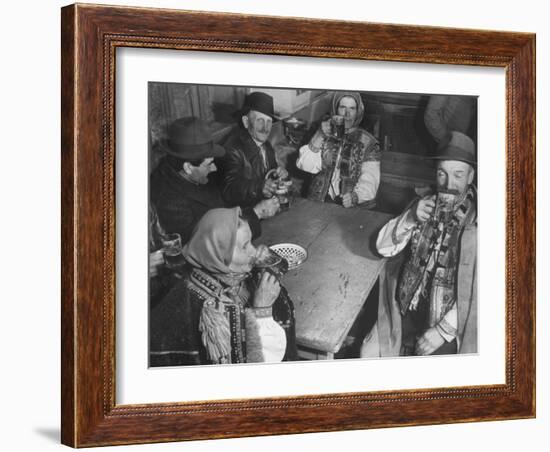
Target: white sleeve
[
  {"x": 395, "y": 235},
  {"x": 309, "y": 161},
  {"x": 265, "y": 339},
  {"x": 448, "y": 326},
  {"x": 368, "y": 182}
]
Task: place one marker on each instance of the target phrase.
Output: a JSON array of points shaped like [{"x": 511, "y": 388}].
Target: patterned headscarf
[
  {"x": 213, "y": 241},
  {"x": 355, "y": 96}
]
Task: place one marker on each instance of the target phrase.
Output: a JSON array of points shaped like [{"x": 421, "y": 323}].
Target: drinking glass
[
  {"x": 172, "y": 249},
  {"x": 338, "y": 126}
]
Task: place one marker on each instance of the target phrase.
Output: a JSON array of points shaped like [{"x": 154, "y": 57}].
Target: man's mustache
[{"x": 448, "y": 191}]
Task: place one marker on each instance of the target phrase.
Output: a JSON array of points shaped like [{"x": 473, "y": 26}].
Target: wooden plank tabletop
[{"x": 329, "y": 289}]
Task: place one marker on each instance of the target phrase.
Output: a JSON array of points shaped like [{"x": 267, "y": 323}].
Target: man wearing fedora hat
[
  {"x": 428, "y": 302},
  {"x": 249, "y": 155},
  {"x": 180, "y": 187}
]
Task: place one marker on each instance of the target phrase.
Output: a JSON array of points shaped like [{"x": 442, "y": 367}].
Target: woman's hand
[
  {"x": 326, "y": 127},
  {"x": 267, "y": 291},
  {"x": 349, "y": 200}
]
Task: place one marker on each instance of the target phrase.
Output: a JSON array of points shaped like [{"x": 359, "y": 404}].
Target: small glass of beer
[
  {"x": 338, "y": 126},
  {"x": 172, "y": 249}
]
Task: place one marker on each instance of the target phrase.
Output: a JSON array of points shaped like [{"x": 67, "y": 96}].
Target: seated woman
[
  {"x": 347, "y": 169},
  {"x": 219, "y": 313}
]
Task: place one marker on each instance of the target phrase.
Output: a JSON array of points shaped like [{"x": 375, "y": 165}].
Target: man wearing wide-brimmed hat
[
  {"x": 249, "y": 155},
  {"x": 428, "y": 302},
  {"x": 180, "y": 187}
]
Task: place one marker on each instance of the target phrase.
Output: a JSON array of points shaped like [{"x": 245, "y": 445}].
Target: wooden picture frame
[{"x": 90, "y": 36}]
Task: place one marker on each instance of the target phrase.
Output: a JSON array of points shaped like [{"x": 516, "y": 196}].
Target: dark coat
[
  {"x": 241, "y": 169},
  {"x": 180, "y": 204}
]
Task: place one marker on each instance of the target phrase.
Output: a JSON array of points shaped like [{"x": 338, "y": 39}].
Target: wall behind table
[{"x": 218, "y": 105}]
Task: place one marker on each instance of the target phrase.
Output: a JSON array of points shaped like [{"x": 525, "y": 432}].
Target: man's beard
[
  {"x": 448, "y": 195},
  {"x": 446, "y": 202}
]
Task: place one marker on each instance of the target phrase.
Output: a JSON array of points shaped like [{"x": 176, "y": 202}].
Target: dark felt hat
[
  {"x": 261, "y": 102},
  {"x": 190, "y": 138},
  {"x": 457, "y": 147}
]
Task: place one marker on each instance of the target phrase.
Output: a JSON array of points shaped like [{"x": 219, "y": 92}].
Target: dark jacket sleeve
[
  {"x": 240, "y": 185},
  {"x": 177, "y": 217},
  {"x": 253, "y": 221}
]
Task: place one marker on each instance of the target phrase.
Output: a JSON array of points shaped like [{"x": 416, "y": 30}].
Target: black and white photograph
[{"x": 290, "y": 224}]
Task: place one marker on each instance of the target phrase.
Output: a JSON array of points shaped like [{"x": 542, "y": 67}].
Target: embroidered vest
[
  {"x": 222, "y": 321},
  {"x": 357, "y": 147},
  {"x": 429, "y": 273}
]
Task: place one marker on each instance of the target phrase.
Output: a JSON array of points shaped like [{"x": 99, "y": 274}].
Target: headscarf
[
  {"x": 213, "y": 240},
  {"x": 211, "y": 249},
  {"x": 357, "y": 97}
]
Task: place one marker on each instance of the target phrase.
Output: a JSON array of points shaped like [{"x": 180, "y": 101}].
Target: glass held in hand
[
  {"x": 283, "y": 185},
  {"x": 172, "y": 249},
  {"x": 283, "y": 194},
  {"x": 267, "y": 260},
  {"x": 338, "y": 126},
  {"x": 444, "y": 205},
  {"x": 294, "y": 130}
]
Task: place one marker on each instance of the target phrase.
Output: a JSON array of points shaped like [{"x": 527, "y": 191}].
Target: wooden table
[{"x": 329, "y": 289}]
